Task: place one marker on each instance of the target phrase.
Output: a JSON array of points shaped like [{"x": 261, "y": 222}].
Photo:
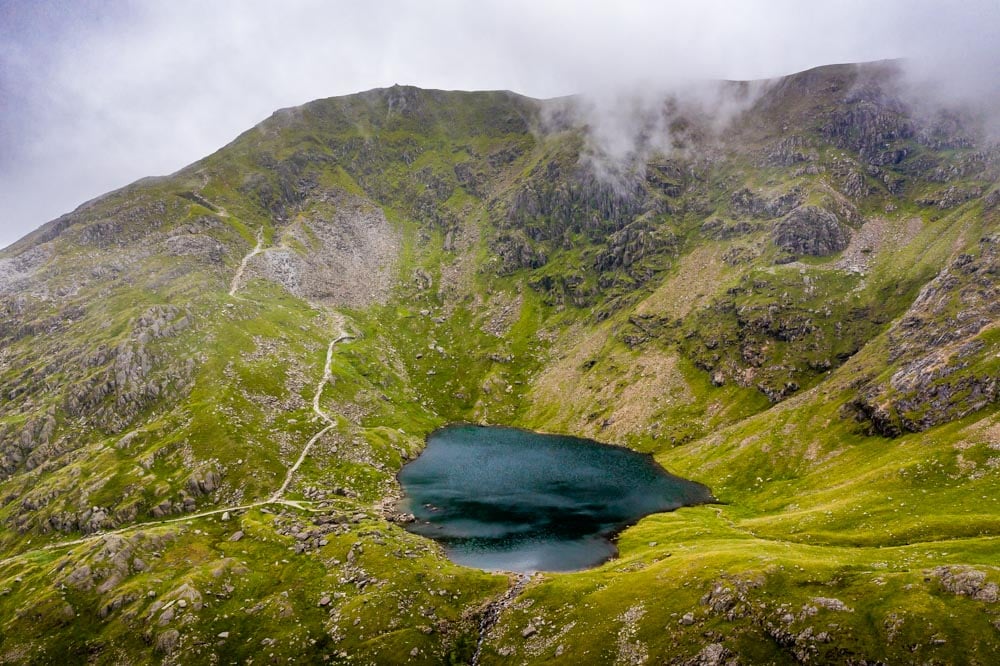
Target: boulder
[
  {"x": 166, "y": 642},
  {"x": 812, "y": 231}
]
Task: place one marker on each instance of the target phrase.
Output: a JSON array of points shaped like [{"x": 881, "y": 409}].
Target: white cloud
[{"x": 92, "y": 98}]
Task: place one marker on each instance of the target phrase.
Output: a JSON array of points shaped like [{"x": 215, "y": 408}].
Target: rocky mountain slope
[{"x": 209, "y": 381}]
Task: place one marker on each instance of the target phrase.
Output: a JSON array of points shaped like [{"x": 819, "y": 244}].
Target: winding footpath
[
  {"x": 342, "y": 336},
  {"x": 143, "y": 526},
  {"x": 237, "y": 282},
  {"x": 278, "y": 497}
]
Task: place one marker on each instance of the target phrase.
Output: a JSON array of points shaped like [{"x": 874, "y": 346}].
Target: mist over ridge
[
  {"x": 786, "y": 290},
  {"x": 96, "y": 96}
]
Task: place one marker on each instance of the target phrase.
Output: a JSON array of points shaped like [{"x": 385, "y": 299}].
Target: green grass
[{"x": 810, "y": 505}]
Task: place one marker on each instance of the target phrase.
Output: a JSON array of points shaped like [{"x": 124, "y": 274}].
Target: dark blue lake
[{"x": 502, "y": 498}]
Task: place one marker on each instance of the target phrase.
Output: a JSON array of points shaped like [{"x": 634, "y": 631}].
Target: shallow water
[{"x": 501, "y": 498}]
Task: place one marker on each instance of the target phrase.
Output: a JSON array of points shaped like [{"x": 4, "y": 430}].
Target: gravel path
[
  {"x": 276, "y": 498},
  {"x": 238, "y": 278},
  {"x": 341, "y": 336}
]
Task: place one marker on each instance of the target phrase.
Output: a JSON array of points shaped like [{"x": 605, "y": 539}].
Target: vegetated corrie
[{"x": 798, "y": 310}]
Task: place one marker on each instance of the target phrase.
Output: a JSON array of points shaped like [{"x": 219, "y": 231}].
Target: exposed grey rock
[
  {"x": 950, "y": 378},
  {"x": 746, "y": 203},
  {"x": 950, "y": 197},
  {"x": 167, "y": 641},
  {"x": 196, "y": 245},
  {"x": 185, "y": 594},
  {"x": 832, "y": 604},
  {"x": 628, "y": 247},
  {"x": 515, "y": 251},
  {"x": 721, "y": 599},
  {"x": 162, "y": 509},
  {"x": 873, "y": 123},
  {"x": 787, "y": 151},
  {"x": 16, "y": 271},
  {"x": 203, "y": 482},
  {"x": 722, "y": 230},
  {"x": 81, "y": 578},
  {"x": 812, "y": 231},
  {"x": 353, "y": 263},
  {"x": 967, "y": 582},
  {"x": 714, "y": 654}
]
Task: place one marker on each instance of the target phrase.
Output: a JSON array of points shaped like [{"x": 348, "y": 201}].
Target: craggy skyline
[{"x": 95, "y": 95}]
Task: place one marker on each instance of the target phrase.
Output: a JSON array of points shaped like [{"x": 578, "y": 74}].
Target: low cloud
[
  {"x": 93, "y": 97},
  {"x": 626, "y": 126}
]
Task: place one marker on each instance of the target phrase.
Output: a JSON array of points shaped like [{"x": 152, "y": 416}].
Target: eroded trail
[
  {"x": 276, "y": 498},
  {"x": 156, "y": 523},
  {"x": 491, "y": 616},
  {"x": 234, "y": 286},
  {"x": 341, "y": 336}
]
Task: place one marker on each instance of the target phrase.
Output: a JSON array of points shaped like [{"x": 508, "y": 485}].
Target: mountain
[{"x": 785, "y": 290}]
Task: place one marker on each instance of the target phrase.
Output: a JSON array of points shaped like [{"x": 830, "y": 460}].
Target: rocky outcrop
[
  {"x": 557, "y": 200},
  {"x": 131, "y": 220},
  {"x": 811, "y": 231},
  {"x": 18, "y": 443},
  {"x": 872, "y": 123},
  {"x": 201, "y": 246},
  {"x": 747, "y": 203},
  {"x": 936, "y": 388},
  {"x": 787, "y": 151},
  {"x": 343, "y": 253},
  {"x": 127, "y": 378},
  {"x": 950, "y": 197},
  {"x": 87, "y": 521},
  {"x": 722, "y": 230},
  {"x": 514, "y": 252},
  {"x": 16, "y": 272},
  {"x": 287, "y": 186},
  {"x": 945, "y": 364},
  {"x": 967, "y": 582},
  {"x": 203, "y": 482},
  {"x": 570, "y": 288},
  {"x": 630, "y": 246}
]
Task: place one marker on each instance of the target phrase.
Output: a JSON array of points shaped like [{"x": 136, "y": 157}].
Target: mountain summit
[{"x": 785, "y": 290}]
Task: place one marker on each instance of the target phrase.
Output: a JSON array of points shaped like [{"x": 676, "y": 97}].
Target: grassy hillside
[{"x": 210, "y": 381}]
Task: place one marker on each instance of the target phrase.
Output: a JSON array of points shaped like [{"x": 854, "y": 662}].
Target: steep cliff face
[
  {"x": 943, "y": 359},
  {"x": 209, "y": 380}
]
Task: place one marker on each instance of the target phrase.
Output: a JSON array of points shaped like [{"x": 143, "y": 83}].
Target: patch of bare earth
[
  {"x": 17, "y": 271},
  {"x": 876, "y": 235},
  {"x": 696, "y": 281},
  {"x": 630, "y": 650},
  {"x": 344, "y": 256},
  {"x": 457, "y": 272},
  {"x": 504, "y": 309},
  {"x": 619, "y": 396}
]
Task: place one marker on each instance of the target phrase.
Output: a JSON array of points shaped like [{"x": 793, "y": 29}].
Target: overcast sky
[{"x": 94, "y": 95}]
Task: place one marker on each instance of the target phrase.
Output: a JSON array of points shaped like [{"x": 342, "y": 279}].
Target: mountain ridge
[{"x": 793, "y": 303}]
